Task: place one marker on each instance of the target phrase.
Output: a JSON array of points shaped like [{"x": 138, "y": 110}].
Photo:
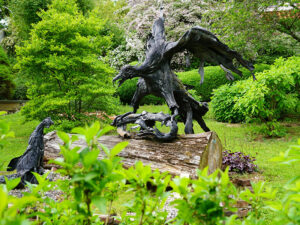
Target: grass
[
  {"x": 16, "y": 146},
  {"x": 236, "y": 137}
]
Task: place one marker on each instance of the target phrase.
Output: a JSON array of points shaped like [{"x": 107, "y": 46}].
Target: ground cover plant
[
  {"x": 93, "y": 185},
  {"x": 235, "y": 137}
]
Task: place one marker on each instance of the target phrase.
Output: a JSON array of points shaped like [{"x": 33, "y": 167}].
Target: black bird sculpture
[
  {"x": 157, "y": 77},
  {"x": 32, "y": 159}
]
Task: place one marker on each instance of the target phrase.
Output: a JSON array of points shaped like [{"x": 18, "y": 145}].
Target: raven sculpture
[
  {"x": 32, "y": 159},
  {"x": 157, "y": 77}
]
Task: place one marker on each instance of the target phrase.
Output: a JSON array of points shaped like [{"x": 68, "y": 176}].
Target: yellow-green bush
[{"x": 271, "y": 97}]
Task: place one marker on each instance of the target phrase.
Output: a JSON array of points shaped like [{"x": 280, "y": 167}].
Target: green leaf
[
  {"x": 105, "y": 149},
  {"x": 11, "y": 184},
  {"x": 274, "y": 205},
  {"x": 41, "y": 178},
  {"x": 90, "y": 176},
  {"x": 3, "y": 202},
  {"x": 63, "y": 136},
  {"x": 118, "y": 148},
  {"x": 100, "y": 203},
  {"x": 104, "y": 131},
  {"x": 78, "y": 130},
  {"x": 91, "y": 157}
]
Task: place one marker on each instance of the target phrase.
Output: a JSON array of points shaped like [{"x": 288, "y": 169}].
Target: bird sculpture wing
[{"x": 206, "y": 46}]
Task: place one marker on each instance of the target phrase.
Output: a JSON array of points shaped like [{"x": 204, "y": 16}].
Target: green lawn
[{"x": 236, "y": 137}]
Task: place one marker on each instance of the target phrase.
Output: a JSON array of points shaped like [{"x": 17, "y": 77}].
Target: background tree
[
  {"x": 61, "y": 61},
  {"x": 261, "y": 29},
  {"x": 24, "y": 13},
  {"x": 6, "y": 84},
  {"x": 246, "y": 26}
]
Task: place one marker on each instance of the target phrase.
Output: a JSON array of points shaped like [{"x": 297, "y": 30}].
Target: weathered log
[{"x": 182, "y": 156}]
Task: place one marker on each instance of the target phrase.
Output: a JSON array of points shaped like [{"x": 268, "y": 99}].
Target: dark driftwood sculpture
[
  {"x": 146, "y": 121},
  {"x": 32, "y": 159},
  {"x": 157, "y": 78}
]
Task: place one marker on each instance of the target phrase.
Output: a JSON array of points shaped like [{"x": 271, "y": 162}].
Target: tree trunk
[{"x": 182, "y": 156}]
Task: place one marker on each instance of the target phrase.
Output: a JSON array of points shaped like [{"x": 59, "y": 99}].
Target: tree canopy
[{"x": 61, "y": 61}]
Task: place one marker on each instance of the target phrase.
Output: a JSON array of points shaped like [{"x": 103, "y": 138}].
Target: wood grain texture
[{"x": 182, "y": 156}]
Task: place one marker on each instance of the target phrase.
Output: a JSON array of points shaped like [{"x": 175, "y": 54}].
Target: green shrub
[
  {"x": 61, "y": 62},
  {"x": 223, "y": 102},
  {"x": 214, "y": 77},
  {"x": 126, "y": 92},
  {"x": 275, "y": 93},
  {"x": 271, "y": 97},
  {"x": 6, "y": 81}
]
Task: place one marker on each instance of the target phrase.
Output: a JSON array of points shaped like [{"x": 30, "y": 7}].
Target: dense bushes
[
  {"x": 275, "y": 93},
  {"x": 6, "y": 81},
  {"x": 61, "y": 62},
  {"x": 214, "y": 77}
]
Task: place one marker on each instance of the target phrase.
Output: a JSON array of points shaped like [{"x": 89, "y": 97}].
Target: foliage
[
  {"x": 60, "y": 59},
  {"x": 214, "y": 77},
  {"x": 4, "y": 131},
  {"x": 94, "y": 181},
  {"x": 94, "y": 184},
  {"x": 24, "y": 15},
  {"x": 253, "y": 29},
  {"x": 286, "y": 208},
  {"x": 149, "y": 190},
  {"x": 270, "y": 129},
  {"x": 203, "y": 200},
  {"x": 6, "y": 80},
  {"x": 238, "y": 162},
  {"x": 275, "y": 93},
  {"x": 223, "y": 102},
  {"x": 245, "y": 26}
]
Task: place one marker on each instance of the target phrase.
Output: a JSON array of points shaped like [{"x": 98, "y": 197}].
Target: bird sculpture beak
[{"x": 119, "y": 77}]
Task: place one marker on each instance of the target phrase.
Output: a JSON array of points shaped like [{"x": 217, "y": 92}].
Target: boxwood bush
[{"x": 271, "y": 97}]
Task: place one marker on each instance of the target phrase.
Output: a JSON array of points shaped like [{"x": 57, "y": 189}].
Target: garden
[{"x": 58, "y": 59}]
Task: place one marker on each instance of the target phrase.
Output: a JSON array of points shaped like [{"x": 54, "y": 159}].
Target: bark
[{"x": 182, "y": 156}]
